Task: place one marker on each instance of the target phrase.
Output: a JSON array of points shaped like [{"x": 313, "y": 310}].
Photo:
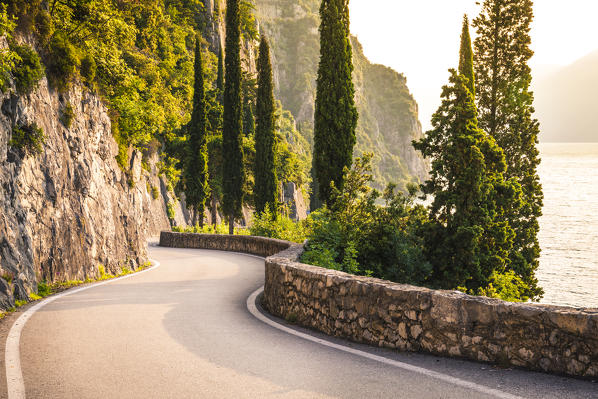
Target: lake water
[{"x": 569, "y": 228}]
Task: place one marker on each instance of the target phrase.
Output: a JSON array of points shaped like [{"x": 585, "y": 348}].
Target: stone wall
[
  {"x": 259, "y": 246},
  {"x": 547, "y": 338}
]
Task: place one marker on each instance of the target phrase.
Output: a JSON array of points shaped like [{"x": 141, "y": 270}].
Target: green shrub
[
  {"x": 506, "y": 286},
  {"x": 88, "y": 68},
  {"x": 221, "y": 228},
  {"x": 44, "y": 290},
  {"x": 43, "y": 25},
  {"x": 62, "y": 62},
  {"x": 29, "y": 139},
  {"x": 68, "y": 115},
  {"x": 28, "y": 69},
  {"x": 170, "y": 211},
  {"x": 281, "y": 227},
  {"x": 359, "y": 236},
  {"x": 155, "y": 192}
]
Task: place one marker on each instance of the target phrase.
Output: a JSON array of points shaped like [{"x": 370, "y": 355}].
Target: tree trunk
[
  {"x": 200, "y": 220},
  {"x": 214, "y": 210},
  {"x": 231, "y": 225},
  {"x": 194, "y": 217}
]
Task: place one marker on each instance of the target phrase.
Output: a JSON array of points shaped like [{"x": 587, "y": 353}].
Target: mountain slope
[
  {"x": 566, "y": 102},
  {"x": 388, "y": 114}
]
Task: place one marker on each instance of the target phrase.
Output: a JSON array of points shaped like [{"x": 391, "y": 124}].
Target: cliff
[
  {"x": 388, "y": 114},
  {"x": 70, "y": 208}
]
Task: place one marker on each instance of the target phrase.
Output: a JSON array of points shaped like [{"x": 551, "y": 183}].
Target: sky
[{"x": 420, "y": 38}]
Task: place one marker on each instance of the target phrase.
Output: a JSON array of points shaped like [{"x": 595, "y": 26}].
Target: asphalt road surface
[{"x": 183, "y": 330}]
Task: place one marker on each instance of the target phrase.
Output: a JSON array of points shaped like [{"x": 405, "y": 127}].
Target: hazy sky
[{"x": 420, "y": 38}]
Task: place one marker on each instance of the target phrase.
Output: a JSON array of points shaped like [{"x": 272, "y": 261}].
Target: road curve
[{"x": 184, "y": 331}]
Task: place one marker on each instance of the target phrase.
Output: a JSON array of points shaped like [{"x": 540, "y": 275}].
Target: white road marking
[
  {"x": 14, "y": 376},
  {"x": 251, "y": 306}
]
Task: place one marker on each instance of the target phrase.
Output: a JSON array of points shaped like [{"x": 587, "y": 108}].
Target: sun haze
[{"x": 421, "y": 38}]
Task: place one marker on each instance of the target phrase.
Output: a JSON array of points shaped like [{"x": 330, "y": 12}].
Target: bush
[
  {"x": 506, "y": 286},
  {"x": 88, "y": 68},
  {"x": 62, "y": 62},
  {"x": 281, "y": 227},
  {"x": 28, "y": 69},
  {"x": 68, "y": 115},
  {"x": 28, "y": 139},
  {"x": 359, "y": 236},
  {"x": 43, "y": 25},
  {"x": 221, "y": 228}
]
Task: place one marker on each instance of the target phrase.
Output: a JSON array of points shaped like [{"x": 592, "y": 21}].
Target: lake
[{"x": 569, "y": 227}]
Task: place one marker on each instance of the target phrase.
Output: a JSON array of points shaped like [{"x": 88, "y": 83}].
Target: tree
[
  {"x": 196, "y": 176},
  {"x": 265, "y": 136},
  {"x": 232, "y": 149},
  {"x": 466, "y": 57},
  {"x": 335, "y": 114},
  {"x": 505, "y": 102},
  {"x": 469, "y": 239}
]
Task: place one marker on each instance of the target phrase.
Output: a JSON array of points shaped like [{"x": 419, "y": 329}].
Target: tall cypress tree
[
  {"x": 505, "y": 102},
  {"x": 335, "y": 113},
  {"x": 248, "y": 119},
  {"x": 233, "y": 173},
  {"x": 466, "y": 56},
  {"x": 196, "y": 179},
  {"x": 470, "y": 238},
  {"x": 266, "y": 184}
]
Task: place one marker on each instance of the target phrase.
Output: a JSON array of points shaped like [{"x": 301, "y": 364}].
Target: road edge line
[
  {"x": 252, "y": 307},
  {"x": 15, "y": 384}
]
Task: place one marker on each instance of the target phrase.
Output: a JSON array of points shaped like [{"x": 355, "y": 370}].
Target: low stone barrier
[
  {"x": 259, "y": 246},
  {"x": 548, "y": 338}
]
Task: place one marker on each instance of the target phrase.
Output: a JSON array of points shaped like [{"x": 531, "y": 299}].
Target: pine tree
[
  {"x": 266, "y": 184},
  {"x": 335, "y": 114},
  {"x": 196, "y": 179},
  {"x": 233, "y": 172},
  {"x": 470, "y": 238},
  {"x": 505, "y": 102}
]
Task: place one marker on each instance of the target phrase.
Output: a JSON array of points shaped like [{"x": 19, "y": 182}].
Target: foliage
[
  {"x": 68, "y": 115},
  {"x": 27, "y": 69},
  {"x": 88, "y": 68},
  {"x": 232, "y": 144},
  {"x": 506, "y": 109},
  {"x": 196, "y": 167},
  {"x": 469, "y": 238},
  {"x": 221, "y": 228},
  {"x": 266, "y": 182},
  {"x": 8, "y": 57},
  {"x": 269, "y": 224},
  {"x": 358, "y": 236},
  {"x": 335, "y": 114},
  {"x": 506, "y": 286},
  {"x": 170, "y": 211},
  {"x": 248, "y": 23},
  {"x": 28, "y": 139},
  {"x": 62, "y": 63}
]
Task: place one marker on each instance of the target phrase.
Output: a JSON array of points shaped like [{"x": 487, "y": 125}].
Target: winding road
[{"x": 187, "y": 330}]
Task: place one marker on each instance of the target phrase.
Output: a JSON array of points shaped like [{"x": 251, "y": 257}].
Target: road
[{"x": 183, "y": 330}]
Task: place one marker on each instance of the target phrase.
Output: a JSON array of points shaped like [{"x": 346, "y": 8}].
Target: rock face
[
  {"x": 554, "y": 339},
  {"x": 70, "y": 209}
]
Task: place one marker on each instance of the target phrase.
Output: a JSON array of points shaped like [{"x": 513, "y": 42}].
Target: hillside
[
  {"x": 566, "y": 102},
  {"x": 388, "y": 114}
]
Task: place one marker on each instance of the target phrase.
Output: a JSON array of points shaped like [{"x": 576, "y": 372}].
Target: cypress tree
[
  {"x": 335, "y": 113},
  {"x": 466, "y": 57},
  {"x": 196, "y": 181},
  {"x": 470, "y": 238},
  {"x": 220, "y": 75},
  {"x": 233, "y": 173},
  {"x": 266, "y": 184},
  {"x": 505, "y": 102},
  {"x": 248, "y": 120}
]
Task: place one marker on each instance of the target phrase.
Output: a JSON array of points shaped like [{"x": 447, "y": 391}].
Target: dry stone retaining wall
[{"x": 554, "y": 339}]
